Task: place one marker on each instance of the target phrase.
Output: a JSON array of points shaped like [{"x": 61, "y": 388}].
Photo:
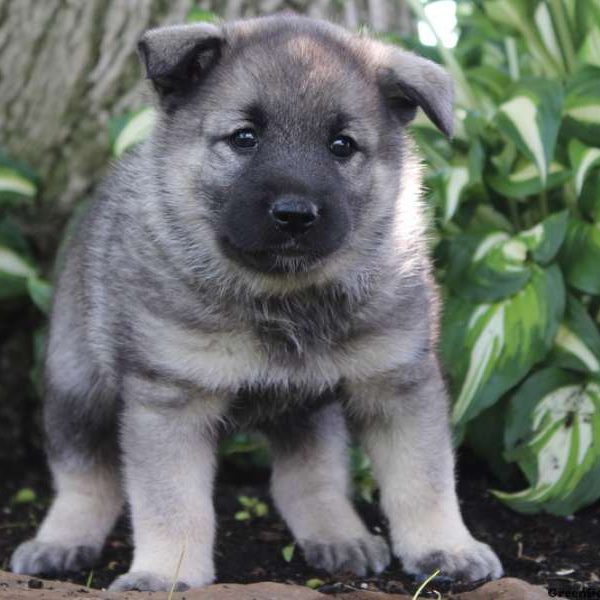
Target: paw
[
  {"x": 144, "y": 581},
  {"x": 356, "y": 556},
  {"x": 470, "y": 562},
  {"x": 35, "y": 558}
]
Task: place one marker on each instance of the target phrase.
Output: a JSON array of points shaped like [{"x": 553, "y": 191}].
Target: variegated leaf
[
  {"x": 455, "y": 182},
  {"x": 531, "y": 119},
  {"x": 14, "y": 272},
  {"x": 590, "y": 49},
  {"x": 485, "y": 268},
  {"x": 129, "y": 130},
  {"x": 502, "y": 340},
  {"x": 544, "y": 240},
  {"x": 580, "y": 256},
  {"x": 583, "y": 160},
  {"x": 525, "y": 180},
  {"x": 15, "y": 187},
  {"x": 577, "y": 343},
  {"x": 40, "y": 291},
  {"x": 582, "y": 106},
  {"x": 553, "y": 433}
]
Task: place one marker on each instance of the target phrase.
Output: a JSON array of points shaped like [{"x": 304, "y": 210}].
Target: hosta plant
[
  {"x": 516, "y": 195},
  {"x": 19, "y": 275}
]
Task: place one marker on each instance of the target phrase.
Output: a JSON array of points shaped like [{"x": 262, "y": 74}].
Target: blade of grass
[
  {"x": 424, "y": 584},
  {"x": 170, "y": 596}
]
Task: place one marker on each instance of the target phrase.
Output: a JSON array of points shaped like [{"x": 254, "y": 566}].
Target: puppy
[{"x": 260, "y": 263}]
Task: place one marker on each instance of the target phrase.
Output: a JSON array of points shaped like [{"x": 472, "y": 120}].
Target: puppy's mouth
[{"x": 287, "y": 257}]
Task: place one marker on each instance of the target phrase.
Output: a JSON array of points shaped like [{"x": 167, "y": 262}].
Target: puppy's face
[{"x": 284, "y": 135}]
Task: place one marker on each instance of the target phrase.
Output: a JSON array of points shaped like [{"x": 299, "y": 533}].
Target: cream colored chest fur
[{"x": 228, "y": 361}]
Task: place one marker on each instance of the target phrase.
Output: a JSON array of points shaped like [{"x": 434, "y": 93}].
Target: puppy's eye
[
  {"x": 342, "y": 146},
  {"x": 245, "y": 139}
]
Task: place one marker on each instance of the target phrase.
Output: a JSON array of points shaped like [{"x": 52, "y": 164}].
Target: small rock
[
  {"x": 507, "y": 588},
  {"x": 35, "y": 584}
]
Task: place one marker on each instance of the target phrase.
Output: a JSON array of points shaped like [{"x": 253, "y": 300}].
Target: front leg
[
  {"x": 402, "y": 422},
  {"x": 168, "y": 440}
]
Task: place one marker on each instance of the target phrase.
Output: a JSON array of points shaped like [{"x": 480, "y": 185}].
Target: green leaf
[
  {"x": 131, "y": 129},
  {"x": 489, "y": 80},
  {"x": 517, "y": 16},
  {"x": 582, "y": 106},
  {"x": 15, "y": 187},
  {"x": 247, "y": 502},
  {"x": 502, "y": 341},
  {"x": 590, "y": 196},
  {"x": 486, "y": 219},
  {"x": 553, "y": 434},
  {"x": 544, "y": 240},
  {"x": 577, "y": 344},
  {"x": 487, "y": 268},
  {"x": 12, "y": 237},
  {"x": 531, "y": 119},
  {"x": 456, "y": 180},
  {"x": 261, "y": 509},
  {"x": 242, "y": 515},
  {"x": 583, "y": 160},
  {"x": 590, "y": 49},
  {"x": 14, "y": 265},
  {"x": 314, "y": 583},
  {"x": 288, "y": 552},
  {"x": 199, "y": 15},
  {"x": 24, "y": 496},
  {"x": 485, "y": 436},
  {"x": 40, "y": 291},
  {"x": 580, "y": 256},
  {"x": 525, "y": 180}
]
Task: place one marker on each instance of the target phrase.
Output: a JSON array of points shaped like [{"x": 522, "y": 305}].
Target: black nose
[{"x": 294, "y": 215}]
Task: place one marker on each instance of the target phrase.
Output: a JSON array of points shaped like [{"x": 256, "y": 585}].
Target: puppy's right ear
[{"x": 177, "y": 58}]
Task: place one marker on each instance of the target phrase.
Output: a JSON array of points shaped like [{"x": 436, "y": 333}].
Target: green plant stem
[
  {"x": 448, "y": 58},
  {"x": 514, "y": 214},
  {"x": 544, "y": 203},
  {"x": 560, "y": 20},
  {"x": 570, "y": 197}
]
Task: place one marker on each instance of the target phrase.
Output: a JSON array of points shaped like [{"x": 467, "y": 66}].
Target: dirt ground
[{"x": 538, "y": 548}]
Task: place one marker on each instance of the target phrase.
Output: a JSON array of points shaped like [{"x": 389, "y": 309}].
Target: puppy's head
[{"x": 281, "y": 138}]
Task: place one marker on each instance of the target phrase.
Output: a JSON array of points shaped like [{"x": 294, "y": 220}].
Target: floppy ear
[
  {"x": 176, "y": 58},
  {"x": 409, "y": 81}
]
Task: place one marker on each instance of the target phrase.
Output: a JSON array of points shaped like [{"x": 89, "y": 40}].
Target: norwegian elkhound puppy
[{"x": 260, "y": 262}]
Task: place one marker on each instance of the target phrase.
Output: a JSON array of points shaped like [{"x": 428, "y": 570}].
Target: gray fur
[{"x": 182, "y": 312}]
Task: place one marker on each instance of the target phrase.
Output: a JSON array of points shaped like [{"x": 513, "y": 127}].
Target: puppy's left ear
[{"x": 409, "y": 81}]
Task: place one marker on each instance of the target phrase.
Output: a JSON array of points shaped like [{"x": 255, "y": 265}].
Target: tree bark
[{"x": 67, "y": 66}]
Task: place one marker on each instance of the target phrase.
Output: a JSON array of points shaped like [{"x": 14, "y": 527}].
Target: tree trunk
[{"x": 67, "y": 66}]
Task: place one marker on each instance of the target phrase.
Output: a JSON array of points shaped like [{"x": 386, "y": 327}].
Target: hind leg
[
  {"x": 81, "y": 444},
  {"x": 310, "y": 489}
]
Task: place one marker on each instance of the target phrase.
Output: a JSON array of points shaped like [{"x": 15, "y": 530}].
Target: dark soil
[{"x": 536, "y": 548}]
